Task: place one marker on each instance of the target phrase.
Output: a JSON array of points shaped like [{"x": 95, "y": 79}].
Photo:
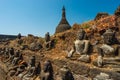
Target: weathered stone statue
[
  {"x": 2, "y": 50},
  {"x": 11, "y": 55},
  {"x": 48, "y": 42},
  {"x": 19, "y": 36},
  {"x": 81, "y": 34},
  {"x": 17, "y": 57},
  {"x": 81, "y": 45},
  {"x": 21, "y": 68},
  {"x": 6, "y": 52},
  {"x": 38, "y": 69},
  {"x": 16, "y": 70},
  {"x": 31, "y": 65},
  {"x": 47, "y": 72},
  {"x": 32, "y": 61},
  {"x": 35, "y": 46},
  {"x": 47, "y": 37},
  {"x": 100, "y": 58},
  {"x": 11, "y": 51},
  {"x": 30, "y": 70},
  {"x": 109, "y": 37},
  {"x": 66, "y": 74},
  {"x": 108, "y": 48},
  {"x": 12, "y": 71}
]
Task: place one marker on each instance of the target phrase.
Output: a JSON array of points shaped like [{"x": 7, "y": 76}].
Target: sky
[{"x": 40, "y": 16}]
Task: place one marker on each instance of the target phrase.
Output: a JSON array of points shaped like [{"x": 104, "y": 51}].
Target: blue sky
[{"x": 40, "y": 16}]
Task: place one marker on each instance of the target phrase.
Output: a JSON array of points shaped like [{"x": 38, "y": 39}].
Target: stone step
[
  {"x": 116, "y": 69},
  {"x": 117, "y": 59},
  {"x": 111, "y": 63},
  {"x": 111, "y": 66}
]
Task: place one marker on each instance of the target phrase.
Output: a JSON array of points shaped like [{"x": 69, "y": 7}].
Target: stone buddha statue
[
  {"x": 108, "y": 48},
  {"x": 81, "y": 44},
  {"x": 66, "y": 74},
  {"x": 47, "y": 72}
]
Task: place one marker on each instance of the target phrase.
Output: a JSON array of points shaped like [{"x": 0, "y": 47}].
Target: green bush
[{"x": 86, "y": 26}]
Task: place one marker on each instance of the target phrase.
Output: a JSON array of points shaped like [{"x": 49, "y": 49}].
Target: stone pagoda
[
  {"x": 117, "y": 12},
  {"x": 63, "y": 25}
]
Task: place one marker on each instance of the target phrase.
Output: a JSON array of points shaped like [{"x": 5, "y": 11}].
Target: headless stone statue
[
  {"x": 47, "y": 72},
  {"x": 81, "y": 45},
  {"x": 66, "y": 74}
]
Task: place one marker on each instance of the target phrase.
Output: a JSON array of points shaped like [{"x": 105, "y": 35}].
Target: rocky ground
[{"x": 63, "y": 41}]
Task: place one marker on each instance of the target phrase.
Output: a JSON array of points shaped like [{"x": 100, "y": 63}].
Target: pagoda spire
[
  {"x": 117, "y": 11},
  {"x": 63, "y": 24},
  {"x": 63, "y": 12}
]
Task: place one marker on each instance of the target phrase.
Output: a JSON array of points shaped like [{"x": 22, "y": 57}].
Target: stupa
[
  {"x": 63, "y": 25},
  {"x": 117, "y": 11}
]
